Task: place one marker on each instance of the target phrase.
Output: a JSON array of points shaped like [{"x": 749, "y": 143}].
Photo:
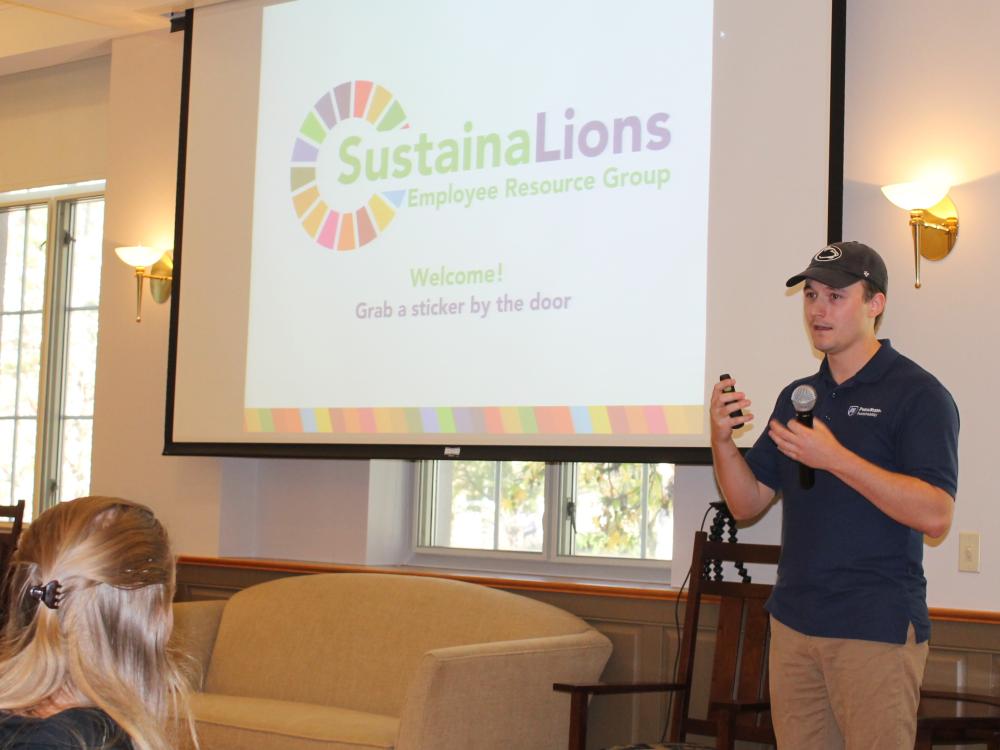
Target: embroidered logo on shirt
[{"x": 863, "y": 411}]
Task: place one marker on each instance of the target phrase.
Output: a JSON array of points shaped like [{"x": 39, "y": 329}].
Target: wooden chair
[
  {"x": 8, "y": 539},
  {"x": 738, "y": 694},
  {"x": 947, "y": 717},
  {"x": 14, "y": 514}
]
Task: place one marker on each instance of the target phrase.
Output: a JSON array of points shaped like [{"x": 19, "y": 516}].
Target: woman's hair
[{"x": 106, "y": 642}]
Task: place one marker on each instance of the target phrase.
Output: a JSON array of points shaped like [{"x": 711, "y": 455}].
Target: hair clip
[
  {"x": 140, "y": 571},
  {"x": 49, "y": 594}
]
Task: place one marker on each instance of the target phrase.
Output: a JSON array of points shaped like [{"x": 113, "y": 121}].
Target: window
[
  {"x": 568, "y": 513},
  {"x": 484, "y": 505},
  {"x": 50, "y": 274},
  {"x": 622, "y": 510}
]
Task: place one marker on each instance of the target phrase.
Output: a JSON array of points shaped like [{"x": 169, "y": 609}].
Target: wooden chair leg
[
  {"x": 725, "y": 737},
  {"x": 578, "y": 721}
]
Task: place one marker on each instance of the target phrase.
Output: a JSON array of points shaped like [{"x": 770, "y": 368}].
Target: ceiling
[{"x": 39, "y": 33}]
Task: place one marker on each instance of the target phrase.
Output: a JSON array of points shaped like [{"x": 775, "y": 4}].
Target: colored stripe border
[{"x": 494, "y": 420}]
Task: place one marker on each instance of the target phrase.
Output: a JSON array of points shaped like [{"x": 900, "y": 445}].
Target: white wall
[
  {"x": 132, "y": 357},
  {"x": 915, "y": 96},
  {"x": 923, "y": 95}
]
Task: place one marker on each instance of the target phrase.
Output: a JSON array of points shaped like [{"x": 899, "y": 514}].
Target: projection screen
[{"x": 537, "y": 230}]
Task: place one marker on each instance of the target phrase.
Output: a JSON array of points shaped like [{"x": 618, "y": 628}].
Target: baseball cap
[{"x": 844, "y": 263}]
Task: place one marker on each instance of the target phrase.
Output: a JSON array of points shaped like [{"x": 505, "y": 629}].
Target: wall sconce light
[
  {"x": 933, "y": 219},
  {"x": 149, "y": 263}
]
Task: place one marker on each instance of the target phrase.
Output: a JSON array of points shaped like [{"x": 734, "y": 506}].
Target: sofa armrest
[
  {"x": 497, "y": 696},
  {"x": 195, "y": 626}
]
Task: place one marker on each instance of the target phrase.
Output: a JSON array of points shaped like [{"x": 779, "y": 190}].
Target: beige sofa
[{"x": 343, "y": 661}]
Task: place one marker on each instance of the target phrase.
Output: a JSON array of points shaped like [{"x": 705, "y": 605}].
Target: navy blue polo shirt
[{"x": 847, "y": 570}]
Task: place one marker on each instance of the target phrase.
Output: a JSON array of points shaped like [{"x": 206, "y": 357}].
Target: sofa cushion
[
  {"x": 226, "y": 721},
  {"x": 355, "y": 640}
]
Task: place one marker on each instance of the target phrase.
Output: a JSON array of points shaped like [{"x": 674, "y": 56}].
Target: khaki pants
[{"x": 836, "y": 693}]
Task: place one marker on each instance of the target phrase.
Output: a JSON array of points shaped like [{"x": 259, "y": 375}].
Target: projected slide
[{"x": 480, "y": 220}]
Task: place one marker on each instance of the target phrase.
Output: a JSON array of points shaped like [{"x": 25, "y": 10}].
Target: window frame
[
  {"x": 551, "y": 562},
  {"x": 61, "y": 201}
]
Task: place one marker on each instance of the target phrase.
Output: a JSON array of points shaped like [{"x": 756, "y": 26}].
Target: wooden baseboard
[{"x": 242, "y": 567}]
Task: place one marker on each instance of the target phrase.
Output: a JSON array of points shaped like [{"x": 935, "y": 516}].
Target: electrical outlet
[{"x": 968, "y": 551}]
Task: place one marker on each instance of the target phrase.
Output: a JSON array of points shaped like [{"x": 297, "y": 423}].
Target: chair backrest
[
  {"x": 739, "y": 666},
  {"x": 370, "y": 631},
  {"x": 8, "y": 539}
]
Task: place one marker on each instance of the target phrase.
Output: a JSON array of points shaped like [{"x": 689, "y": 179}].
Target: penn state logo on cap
[{"x": 828, "y": 253}]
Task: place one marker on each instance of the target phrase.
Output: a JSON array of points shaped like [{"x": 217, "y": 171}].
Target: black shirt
[{"x": 72, "y": 729}]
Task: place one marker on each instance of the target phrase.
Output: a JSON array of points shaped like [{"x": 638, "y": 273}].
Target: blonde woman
[{"x": 84, "y": 661}]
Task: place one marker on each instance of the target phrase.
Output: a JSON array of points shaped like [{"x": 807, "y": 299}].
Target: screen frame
[{"x": 458, "y": 450}]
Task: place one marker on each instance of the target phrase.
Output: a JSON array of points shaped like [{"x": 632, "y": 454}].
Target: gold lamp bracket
[
  {"x": 161, "y": 278},
  {"x": 935, "y": 231}
]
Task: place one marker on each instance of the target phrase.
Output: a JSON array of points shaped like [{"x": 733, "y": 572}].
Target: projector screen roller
[{"x": 533, "y": 230}]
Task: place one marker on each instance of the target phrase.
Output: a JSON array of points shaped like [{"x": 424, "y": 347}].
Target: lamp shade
[
  {"x": 913, "y": 195},
  {"x": 138, "y": 256}
]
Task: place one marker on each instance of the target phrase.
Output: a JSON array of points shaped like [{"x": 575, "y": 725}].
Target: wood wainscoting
[{"x": 642, "y": 623}]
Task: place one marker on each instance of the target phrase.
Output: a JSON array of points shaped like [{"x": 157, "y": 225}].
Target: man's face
[{"x": 839, "y": 319}]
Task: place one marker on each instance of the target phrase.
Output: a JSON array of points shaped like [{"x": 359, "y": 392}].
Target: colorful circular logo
[{"x": 343, "y": 230}]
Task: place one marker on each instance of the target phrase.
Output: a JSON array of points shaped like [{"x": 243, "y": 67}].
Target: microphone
[{"x": 804, "y": 401}]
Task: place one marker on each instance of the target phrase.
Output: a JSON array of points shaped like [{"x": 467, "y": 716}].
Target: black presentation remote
[{"x": 730, "y": 389}]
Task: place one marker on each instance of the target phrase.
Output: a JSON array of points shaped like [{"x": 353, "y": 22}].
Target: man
[{"x": 849, "y": 621}]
